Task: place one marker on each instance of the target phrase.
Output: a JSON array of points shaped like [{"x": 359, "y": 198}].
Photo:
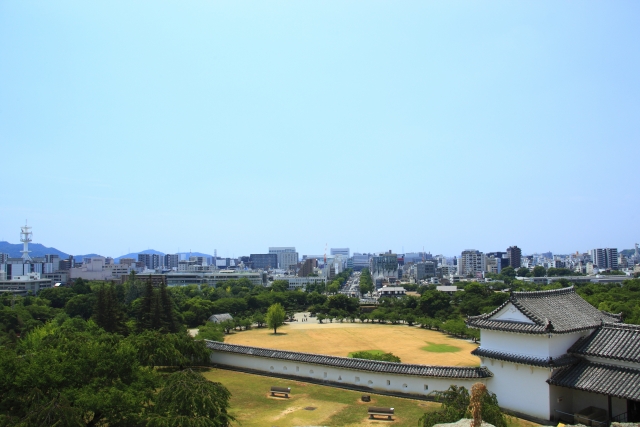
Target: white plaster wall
[
  {"x": 373, "y": 380},
  {"x": 560, "y": 343},
  {"x": 520, "y": 388},
  {"x": 507, "y": 342}
]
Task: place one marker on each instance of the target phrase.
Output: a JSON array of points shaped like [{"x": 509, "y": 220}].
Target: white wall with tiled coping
[{"x": 393, "y": 383}]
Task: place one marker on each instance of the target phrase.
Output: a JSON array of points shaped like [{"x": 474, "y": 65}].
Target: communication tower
[{"x": 26, "y": 238}]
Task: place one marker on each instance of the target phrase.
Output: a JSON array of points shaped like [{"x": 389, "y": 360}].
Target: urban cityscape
[
  {"x": 319, "y": 214},
  {"x": 23, "y": 274}
]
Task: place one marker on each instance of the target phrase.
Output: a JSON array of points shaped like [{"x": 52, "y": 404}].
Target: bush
[{"x": 385, "y": 357}]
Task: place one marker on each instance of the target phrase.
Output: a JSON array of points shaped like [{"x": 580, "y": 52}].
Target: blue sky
[{"x": 375, "y": 125}]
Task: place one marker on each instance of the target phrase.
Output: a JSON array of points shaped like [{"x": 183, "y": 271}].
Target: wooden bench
[
  {"x": 376, "y": 410},
  {"x": 280, "y": 390}
]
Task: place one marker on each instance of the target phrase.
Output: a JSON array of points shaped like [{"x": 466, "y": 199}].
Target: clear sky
[{"x": 375, "y": 125}]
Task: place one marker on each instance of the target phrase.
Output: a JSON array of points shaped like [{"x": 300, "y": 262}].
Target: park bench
[
  {"x": 376, "y": 410},
  {"x": 280, "y": 390}
]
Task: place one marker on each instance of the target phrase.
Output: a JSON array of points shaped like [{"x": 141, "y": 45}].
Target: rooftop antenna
[{"x": 26, "y": 238}]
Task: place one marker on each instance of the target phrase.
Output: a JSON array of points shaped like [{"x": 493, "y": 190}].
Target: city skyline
[
  {"x": 372, "y": 125},
  {"x": 221, "y": 254}
]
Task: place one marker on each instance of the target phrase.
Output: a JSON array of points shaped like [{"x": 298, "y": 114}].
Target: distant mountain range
[
  {"x": 37, "y": 250},
  {"x": 183, "y": 255}
]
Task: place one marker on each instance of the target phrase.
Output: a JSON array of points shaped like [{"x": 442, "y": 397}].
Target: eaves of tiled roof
[
  {"x": 610, "y": 380},
  {"x": 550, "y": 362}
]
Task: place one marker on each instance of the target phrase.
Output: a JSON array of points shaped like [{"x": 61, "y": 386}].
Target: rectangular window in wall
[
  {"x": 357, "y": 379},
  {"x": 388, "y": 382},
  {"x": 426, "y": 387}
]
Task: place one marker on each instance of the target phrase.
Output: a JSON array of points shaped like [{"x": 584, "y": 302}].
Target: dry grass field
[{"x": 411, "y": 344}]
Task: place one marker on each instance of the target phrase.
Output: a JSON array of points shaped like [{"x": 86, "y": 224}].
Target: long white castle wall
[{"x": 374, "y": 380}]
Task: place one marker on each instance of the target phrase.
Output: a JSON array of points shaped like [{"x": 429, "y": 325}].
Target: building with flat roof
[
  {"x": 264, "y": 261},
  {"x": 287, "y": 257},
  {"x": 340, "y": 251},
  {"x": 514, "y": 254}
]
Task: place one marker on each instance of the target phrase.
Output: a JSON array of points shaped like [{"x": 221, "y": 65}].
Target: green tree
[
  {"x": 366, "y": 283},
  {"x": 275, "y": 317},
  {"x": 259, "y": 319},
  {"x": 190, "y": 400},
  {"x": 107, "y": 312},
  {"x": 539, "y": 271},
  {"x": 279, "y": 286},
  {"x": 523, "y": 272},
  {"x": 508, "y": 272}
]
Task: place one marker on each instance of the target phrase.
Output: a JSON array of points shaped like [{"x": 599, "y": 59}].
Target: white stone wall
[{"x": 373, "y": 380}]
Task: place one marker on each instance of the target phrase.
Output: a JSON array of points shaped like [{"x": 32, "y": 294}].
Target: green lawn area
[
  {"x": 374, "y": 352},
  {"x": 253, "y": 407},
  {"x": 441, "y": 348}
]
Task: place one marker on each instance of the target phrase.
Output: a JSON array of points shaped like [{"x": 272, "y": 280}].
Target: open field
[
  {"x": 253, "y": 407},
  {"x": 411, "y": 344}
]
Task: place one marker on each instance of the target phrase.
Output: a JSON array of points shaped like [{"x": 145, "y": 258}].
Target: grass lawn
[
  {"x": 441, "y": 348},
  {"x": 340, "y": 339},
  {"x": 252, "y": 406}
]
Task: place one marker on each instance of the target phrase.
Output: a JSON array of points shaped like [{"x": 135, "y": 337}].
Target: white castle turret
[{"x": 25, "y": 238}]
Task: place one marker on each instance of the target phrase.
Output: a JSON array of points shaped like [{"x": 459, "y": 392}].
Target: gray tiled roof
[
  {"x": 219, "y": 318},
  {"x": 610, "y": 380},
  {"x": 526, "y": 360},
  {"x": 351, "y": 363},
  {"x": 555, "y": 311},
  {"x": 611, "y": 341}
]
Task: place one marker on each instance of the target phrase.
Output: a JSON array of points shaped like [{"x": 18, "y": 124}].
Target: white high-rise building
[
  {"x": 287, "y": 256},
  {"x": 471, "y": 262},
  {"x": 605, "y": 258}
]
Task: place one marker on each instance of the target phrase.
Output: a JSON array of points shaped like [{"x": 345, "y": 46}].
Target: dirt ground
[{"x": 340, "y": 339}]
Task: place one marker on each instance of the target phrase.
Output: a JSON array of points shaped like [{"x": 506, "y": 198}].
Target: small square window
[
  {"x": 426, "y": 387},
  {"x": 388, "y": 382}
]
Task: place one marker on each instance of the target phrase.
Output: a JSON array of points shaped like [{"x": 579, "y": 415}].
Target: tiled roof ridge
[
  {"x": 617, "y": 316},
  {"x": 535, "y": 294},
  {"x": 627, "y": 326},
  {"x": 563, "y": 360},
  {"x": 360, "y": 364}
]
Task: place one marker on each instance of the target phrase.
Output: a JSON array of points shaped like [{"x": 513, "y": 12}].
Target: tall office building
[
  {"x": 514, "y": 254},
  {"x": 287, "y": 257},
  {"x": 171, "y": 261},
  {"x": 471, "y": 262},
  {"x": 384, "y": 266},
  {"x": 264, "y": 261},
  {"x": 605, "y": 258},
  {"x": 340, "y": 251}
]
